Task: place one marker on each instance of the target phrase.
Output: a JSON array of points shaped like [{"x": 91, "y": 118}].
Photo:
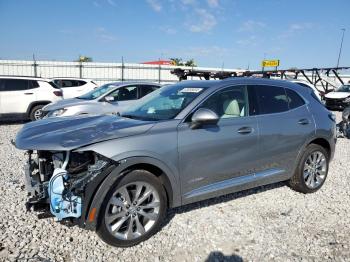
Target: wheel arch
[
  {"x": 36, "y": 103},
  {"x": 96, "y": 191}
]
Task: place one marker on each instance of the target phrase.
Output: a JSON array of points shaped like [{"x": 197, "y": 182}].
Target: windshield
[
  {"x": 344, "y": 88},
  {"x": 164, "y": 103},
  {"x": 97, "y": 92}
]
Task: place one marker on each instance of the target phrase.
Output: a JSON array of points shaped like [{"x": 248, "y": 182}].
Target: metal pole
[
  {"x": 122, "y": 68},
  {"x": 35, "y": 66},
  {"x": 341, "y": 46}
]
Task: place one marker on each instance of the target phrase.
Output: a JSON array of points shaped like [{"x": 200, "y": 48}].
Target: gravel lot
[{"x": 268, "y": 223}]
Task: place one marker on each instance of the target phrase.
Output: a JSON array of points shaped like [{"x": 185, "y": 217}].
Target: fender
[
  {"x": 35, "y": 103},
  {"x": 97, "y": 190}
]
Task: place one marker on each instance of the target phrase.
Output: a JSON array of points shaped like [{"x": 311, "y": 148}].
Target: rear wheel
[
  {"x": 312, "y": 170},
  {"x": 133, "y": 209},
  {"x": 36, "y": 113}
]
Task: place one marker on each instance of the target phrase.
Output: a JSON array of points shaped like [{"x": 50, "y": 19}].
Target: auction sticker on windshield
[{"x": 191, "y": 90}]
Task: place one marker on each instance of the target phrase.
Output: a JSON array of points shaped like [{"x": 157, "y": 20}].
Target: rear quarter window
[{"x": 294, "y": 99}]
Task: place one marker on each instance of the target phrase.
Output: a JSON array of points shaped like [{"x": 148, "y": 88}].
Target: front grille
[{"x": 334, "y": 102}]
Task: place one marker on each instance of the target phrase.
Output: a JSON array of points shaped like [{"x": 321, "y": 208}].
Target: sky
[{"x": 215, "y": 33}]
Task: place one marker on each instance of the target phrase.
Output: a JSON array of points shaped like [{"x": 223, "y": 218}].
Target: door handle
[
  {"x": 28, "y": 93},
  {"x": 245, "y": 130},
  {"x": 303, "y": 121}
]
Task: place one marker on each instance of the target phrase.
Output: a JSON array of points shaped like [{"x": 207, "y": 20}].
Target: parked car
[
  {"x": 339, "y": 98},
  {"x": 308, "y": 85},
  {"x": 109, "y": 98},
  {"x": 183, "y": 143},
  {"x": 73, "y": 87},
  {"x": 25, "y": 96}
]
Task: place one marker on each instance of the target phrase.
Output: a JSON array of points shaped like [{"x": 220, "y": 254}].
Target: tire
[
  {"x": 117, "y": 215},
  {"x": 310, "y": 176},
  {"x": 36, "y": 113}
]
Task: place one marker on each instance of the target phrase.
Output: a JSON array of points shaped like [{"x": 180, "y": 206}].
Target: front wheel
[
  {"x": 311, "y": 171},
  {"x": 133, "y": 209}
]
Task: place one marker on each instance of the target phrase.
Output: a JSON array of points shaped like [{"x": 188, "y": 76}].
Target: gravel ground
[{"x": 268, "y": 223}]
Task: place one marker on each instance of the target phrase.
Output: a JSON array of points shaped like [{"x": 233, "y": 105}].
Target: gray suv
[{"x": 183, "y": 143}]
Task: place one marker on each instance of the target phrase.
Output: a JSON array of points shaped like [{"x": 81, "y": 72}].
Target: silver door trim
[{"x": 234, "y": 182}]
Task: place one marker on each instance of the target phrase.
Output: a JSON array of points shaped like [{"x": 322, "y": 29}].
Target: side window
[
  {"x": 80, "y": 83},
  {"x": 15, "y": 84},
  {"x": 146, "y": 89},
  {"x": 58, "y": 83},
  {"x": 294, "y": 99},
  {"x": 67, "y": 83},
  {"x": 124, "y": 93},
  {"x": 271, "y": 99},
  {"x": 33, "y": 84},
  {"x": 229, "y": 102}
]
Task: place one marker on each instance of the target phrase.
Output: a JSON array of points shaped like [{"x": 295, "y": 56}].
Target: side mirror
[
  {"x": 204, "y": 116},
  {"x": 109, "y": 98}
]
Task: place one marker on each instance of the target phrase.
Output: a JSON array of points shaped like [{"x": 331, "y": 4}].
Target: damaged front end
[{"x": 58, "y": 180}]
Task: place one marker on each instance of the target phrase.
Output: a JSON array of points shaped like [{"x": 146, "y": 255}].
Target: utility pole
[{"x": 341, "y": 46}]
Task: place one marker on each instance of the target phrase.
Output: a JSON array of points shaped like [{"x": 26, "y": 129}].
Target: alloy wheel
[
  {"x": 132, "y": 210},
  {"x": 315, "y": 169}
]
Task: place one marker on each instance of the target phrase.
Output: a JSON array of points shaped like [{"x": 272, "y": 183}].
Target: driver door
[
  {"x": 122, "y": 98},
  {"x": 211, "y": 156}
]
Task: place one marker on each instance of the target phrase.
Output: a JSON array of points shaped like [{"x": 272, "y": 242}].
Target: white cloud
[
  {"x": 155, "y": 5},
  {"x": 168, "y": 30},
  {"x": 111, "y": 2},
  {"x": 251, "y": 26},
  {"x": 251, "y": 41},
  {"x": 188, "y": 2},
  {"x": 213, "y": 3},
  {"x": 205, "y": 22},
  {"x": 102, "y": 33},
  {"x": 296, "y": 28}
]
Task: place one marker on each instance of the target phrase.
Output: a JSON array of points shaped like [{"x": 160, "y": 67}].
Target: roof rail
[{"x": 318, "y": 75}]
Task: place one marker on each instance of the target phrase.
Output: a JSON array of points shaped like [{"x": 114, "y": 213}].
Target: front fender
[{"x": 97, "y": 190}]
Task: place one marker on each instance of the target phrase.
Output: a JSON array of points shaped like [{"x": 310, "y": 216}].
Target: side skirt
[{"x": 236, "y": 184}]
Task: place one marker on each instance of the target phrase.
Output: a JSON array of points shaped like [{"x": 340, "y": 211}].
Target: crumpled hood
[
  {"x": 65, "y": 103},
  {"x": 337, "y": 95},
  {"x": 67, "y": 133}
]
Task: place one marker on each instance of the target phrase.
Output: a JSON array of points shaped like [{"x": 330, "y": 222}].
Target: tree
[
  {"x": 84, "y": 59},
  {"x": 191, "y": 63},
  {"x": 179, "y": 62}
]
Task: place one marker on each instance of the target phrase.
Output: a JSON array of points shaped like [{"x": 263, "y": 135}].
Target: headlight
[
  {"x": 347, "y": 100},
  {"x": 58, "y": 112}
]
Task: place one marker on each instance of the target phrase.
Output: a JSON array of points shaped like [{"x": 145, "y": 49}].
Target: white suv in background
[
  {"x": 74, "y": 87},
  {"x": 26, "y": 96}
]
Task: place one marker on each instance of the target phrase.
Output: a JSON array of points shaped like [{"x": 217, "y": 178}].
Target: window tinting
[
  {"x": 271, "y": 99},
  {"x": 124, "y": 93},
  {"x": 229, "y": 102},
  {"x": 294, "y": 99},
  {"x": 146, "y": 89},
  {"x": 15, "y": 84}
]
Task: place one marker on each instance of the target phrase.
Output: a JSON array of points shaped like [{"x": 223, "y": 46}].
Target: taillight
[{"x": 58, "y": 93}]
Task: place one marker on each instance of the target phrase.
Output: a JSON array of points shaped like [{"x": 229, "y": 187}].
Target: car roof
[
  {"x": 213, "y": 84},
  {"x": 70, "y": 78},
  {"x": 25, "y": 77},
  {"x": 124, "y": 83}
]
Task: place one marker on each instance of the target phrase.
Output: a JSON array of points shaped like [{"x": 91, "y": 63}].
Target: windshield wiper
[{"x": 138, "y": 117}]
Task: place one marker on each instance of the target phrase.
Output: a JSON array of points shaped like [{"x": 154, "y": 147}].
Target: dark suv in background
[{"x": 180, "y": 144}]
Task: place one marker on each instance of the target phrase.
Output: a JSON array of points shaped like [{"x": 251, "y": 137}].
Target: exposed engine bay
[{"x": 58, "y": 180}]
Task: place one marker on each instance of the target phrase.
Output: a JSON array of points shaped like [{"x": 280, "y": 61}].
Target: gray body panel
[{"x": 200, "y": 163}]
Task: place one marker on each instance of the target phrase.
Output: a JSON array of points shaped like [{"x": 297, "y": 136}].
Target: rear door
[
  {"x": 284, "y": 125},
  {"x": 16, "y": 95}
]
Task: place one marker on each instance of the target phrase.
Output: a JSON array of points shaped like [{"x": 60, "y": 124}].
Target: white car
[
  {"x": 339, "y": 98},
  {"x": 307, "y": 85},
  {"x": 26, "y": 96},
  {"x": 74, "y": 87}
]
